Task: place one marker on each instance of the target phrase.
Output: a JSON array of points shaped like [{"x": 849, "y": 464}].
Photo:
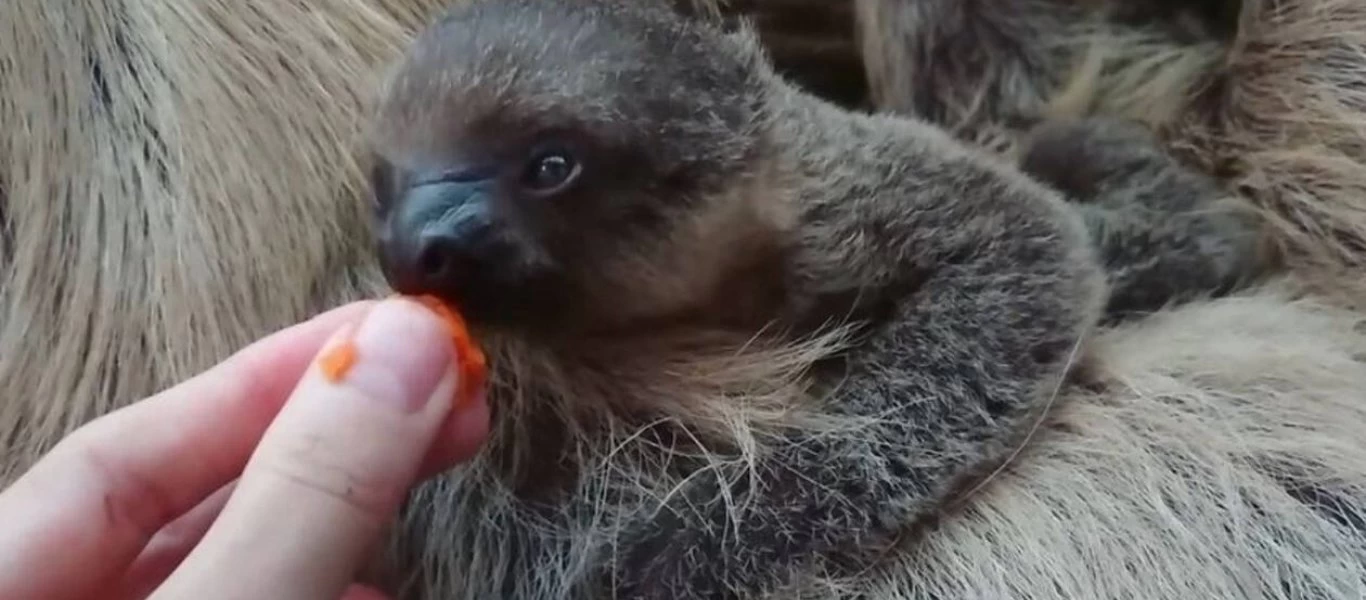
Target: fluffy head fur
[{"x": 657, "y": 218}]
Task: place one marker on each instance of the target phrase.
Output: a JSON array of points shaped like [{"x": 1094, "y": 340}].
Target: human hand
[{"x": 143, "y": 500}]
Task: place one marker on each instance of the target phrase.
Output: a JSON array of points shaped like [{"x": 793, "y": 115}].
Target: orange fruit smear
[
  {"x": 469, "y": 357},
  {"x": 338, "y": 360}
]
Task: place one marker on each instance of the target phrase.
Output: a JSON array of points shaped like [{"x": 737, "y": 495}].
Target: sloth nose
[
  {"x": 436, "y": 259},
  {"x": 438, "y": 235}
]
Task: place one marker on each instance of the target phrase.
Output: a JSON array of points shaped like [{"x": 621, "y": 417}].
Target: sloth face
[{"x": 539, "y": 163}]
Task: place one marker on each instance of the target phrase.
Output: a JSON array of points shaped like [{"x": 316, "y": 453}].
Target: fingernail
[{"x": 401, "y": 353}]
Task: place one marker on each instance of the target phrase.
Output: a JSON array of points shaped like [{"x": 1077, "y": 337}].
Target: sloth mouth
[{"x": 504, "y": 299}]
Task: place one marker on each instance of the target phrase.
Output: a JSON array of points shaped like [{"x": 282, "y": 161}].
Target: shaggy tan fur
[
  {"x": 1172, "y": 481},
  {"x": 1279, "y": 113},
  {"x": 178, "y": 178}
]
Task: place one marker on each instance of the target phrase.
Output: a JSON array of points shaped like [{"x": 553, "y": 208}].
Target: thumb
[{"x": 334, "y": 466}]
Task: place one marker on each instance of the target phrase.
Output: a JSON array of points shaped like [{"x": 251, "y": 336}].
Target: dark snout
[
  {"x": 445, "y": 237},
  {"x": 438, "y": 237}
]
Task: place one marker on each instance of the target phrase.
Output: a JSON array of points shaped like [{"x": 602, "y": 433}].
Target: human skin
[{"x": 259, "y": 465}]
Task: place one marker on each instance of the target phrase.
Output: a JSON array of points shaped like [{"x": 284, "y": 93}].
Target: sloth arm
[
  {"x": 1165, "y": 231},
  {"x": 991, "y": 285}
]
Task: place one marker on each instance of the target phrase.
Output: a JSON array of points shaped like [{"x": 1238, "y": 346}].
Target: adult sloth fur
[{"x": 161, "y": 208}]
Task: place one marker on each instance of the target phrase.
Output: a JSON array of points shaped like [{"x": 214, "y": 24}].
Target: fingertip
[
  {"x": 462, "y": 435},
  {"x": 312, "y": 331},
  {"x": 399, "y": 356},
  {"x": 344, "y": 313},
  {"x": 266, "y": 371},
  {"x": 467, "y": 426},
  {"x": 363, "y": 592},
  {"x": 468, "y": 429}
]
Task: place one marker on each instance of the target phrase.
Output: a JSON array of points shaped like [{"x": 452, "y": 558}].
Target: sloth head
[{"x": 547, "y": 164}]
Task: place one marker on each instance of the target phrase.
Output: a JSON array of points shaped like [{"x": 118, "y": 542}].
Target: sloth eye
[{"x": 550, "y": 170}]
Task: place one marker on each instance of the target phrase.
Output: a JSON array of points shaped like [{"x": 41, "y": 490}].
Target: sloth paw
[{"x": 1085, "y": 157}]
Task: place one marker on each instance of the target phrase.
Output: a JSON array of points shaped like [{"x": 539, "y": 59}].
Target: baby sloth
[{"x": 597, "y": 168}]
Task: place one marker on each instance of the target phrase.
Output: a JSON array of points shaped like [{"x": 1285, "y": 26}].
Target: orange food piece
[
  {"x": 338, "y": 360},
  {"x": 469, "y": 357}
]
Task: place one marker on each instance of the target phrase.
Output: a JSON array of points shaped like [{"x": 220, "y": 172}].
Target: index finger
[
  {"x": 76, "y": 520},
  {"x": 334, "y": 467}
]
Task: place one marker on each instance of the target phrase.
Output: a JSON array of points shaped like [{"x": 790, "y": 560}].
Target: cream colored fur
[
  {"x": 1171, "y": 482},
  {"x": 216, "y": 196},
  {"x": 1281, "y": 114},
  {"x": 214, "y": 199}
]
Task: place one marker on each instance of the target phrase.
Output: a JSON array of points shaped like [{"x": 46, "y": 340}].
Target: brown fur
[
  {"x": 1280, "y": 118},
  {"x": 810, "y": 41},
  {"x": 1272, "y": 110},
  {"x": 151, "y": 234}
]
